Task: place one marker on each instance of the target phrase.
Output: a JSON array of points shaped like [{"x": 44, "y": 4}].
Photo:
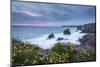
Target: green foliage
[
  {"x": 88, "y": 55},
  {"x": 59, "y": 48},
  {"x": 23, "y": 53},
  {"x": 30, "y": 54},
  {"x": 55, "y": 57},
  {"x": 63, "y": 48}
]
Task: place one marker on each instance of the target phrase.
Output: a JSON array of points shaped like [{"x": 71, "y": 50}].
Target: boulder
[
  {"x": 66, "y": 32},
  {"x": 59, "y": 38},
  {"x": 51, "y": 36}
]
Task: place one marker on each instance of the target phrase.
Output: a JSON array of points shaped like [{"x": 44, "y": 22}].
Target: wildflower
[
  {"x": 41, "y": 58},
  {"x": 34, "y": 61},
  {"x": 20, "y": 51}
]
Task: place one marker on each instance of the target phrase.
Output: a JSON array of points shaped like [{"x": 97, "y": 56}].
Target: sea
[{"x": 38, "y": 35}]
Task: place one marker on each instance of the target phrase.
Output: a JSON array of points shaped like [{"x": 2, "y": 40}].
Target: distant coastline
[{"x": 70, "y": 25}]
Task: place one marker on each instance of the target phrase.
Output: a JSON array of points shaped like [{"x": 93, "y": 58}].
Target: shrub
[
  {"x": 60, "y": 48},
  {"x": 23, "y": 54},
  {"x": 55, "y": 57}
]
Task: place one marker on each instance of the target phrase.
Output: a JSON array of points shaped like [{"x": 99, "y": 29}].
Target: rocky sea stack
[
  {"x": 79, "y": 27},
  {"x": 51, "y": 36},
  {"x": 66, "y": 32}
]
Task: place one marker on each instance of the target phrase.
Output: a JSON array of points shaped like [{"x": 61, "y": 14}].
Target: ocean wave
[{"x": 45, "y": 43}]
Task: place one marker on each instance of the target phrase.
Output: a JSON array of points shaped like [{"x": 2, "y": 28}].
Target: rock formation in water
[
  {"x": 79, "y": 27},
  {"x": 66, "y": 32},
  {"x": 60, "y": 38},
  {"x": 51, "y": 36}
]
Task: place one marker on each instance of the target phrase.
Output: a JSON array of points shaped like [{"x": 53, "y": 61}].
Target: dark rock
[
  {"x": 51, "y": 36},
  {"x": 66, "y": 32},
  {"x": 79, "y": 27},
  {"x": 89, "y": 28},
  {"x": 59, "y": 38},
  {"x": 88, "y": 40}
]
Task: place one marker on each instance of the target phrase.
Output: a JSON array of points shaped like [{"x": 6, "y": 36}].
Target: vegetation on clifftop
[{"x": 29, "y": 54}]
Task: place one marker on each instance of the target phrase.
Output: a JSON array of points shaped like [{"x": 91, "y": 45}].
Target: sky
[{"x": 46, "y": 14}]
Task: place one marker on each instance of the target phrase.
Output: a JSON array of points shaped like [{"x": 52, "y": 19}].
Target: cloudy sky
[{"x": 42, "y": 14}]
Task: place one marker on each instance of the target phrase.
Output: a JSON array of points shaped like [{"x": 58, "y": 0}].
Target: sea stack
[
  {"x": 51, "y": 36},
  {"x": 79, "y": 27},
  {"x": 66, "y": 32}
]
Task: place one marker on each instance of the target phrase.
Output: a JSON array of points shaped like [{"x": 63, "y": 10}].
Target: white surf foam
[{"x": 45, "y": 43}]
